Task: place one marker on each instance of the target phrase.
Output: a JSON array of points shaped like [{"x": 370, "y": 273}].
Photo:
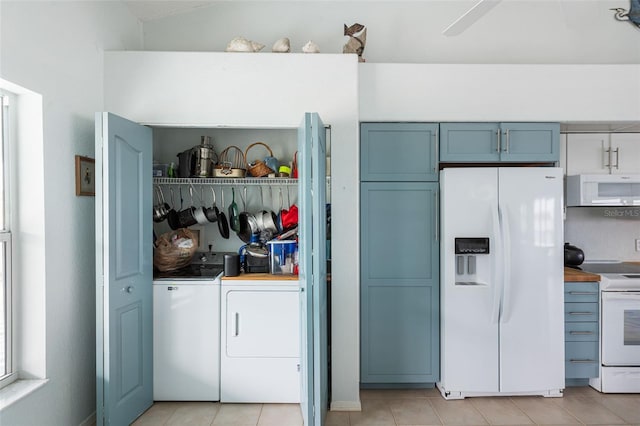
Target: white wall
[
  {"x": 56, "y": 49},
  {"x": 499, "y": 92},
  {"x": 604, "y": 233},
  {"x": 515, "y": 31}
]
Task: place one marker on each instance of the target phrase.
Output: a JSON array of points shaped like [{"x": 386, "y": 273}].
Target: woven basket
[
  {"x": 258, "y": 168},
  {"x": 231, "y": 163},
  {"x": 167, "y": 256}
]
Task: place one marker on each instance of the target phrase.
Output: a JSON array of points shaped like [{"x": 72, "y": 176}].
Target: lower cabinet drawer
[
  {"x": 580, "y": 312},
  {"x": 581, "y": 331},
  {"x": 581, "y": 292},
  {"x": 581, "y": 360}
]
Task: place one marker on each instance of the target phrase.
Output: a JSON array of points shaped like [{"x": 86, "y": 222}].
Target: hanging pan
[
  {"x": 223, "y": 224},
  {"x": 248, "y": 224}
]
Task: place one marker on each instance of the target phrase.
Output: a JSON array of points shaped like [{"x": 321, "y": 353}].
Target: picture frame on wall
[{"x": 85, "y": 176}]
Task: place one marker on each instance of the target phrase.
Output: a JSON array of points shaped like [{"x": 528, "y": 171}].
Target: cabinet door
[
  {"x": 399, "y": 283},
  {"x": 469, "y": 142},
  {"x": 398, "y": 152},
  {"x": 262, "y": 324},
  {"x": 587, "y": 153},
  {"x": 625, "y": 152},
  {"x": 530, "y": 142}
]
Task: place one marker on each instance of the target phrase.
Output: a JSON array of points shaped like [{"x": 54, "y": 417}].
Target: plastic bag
[{"x": 174, "y": 250}]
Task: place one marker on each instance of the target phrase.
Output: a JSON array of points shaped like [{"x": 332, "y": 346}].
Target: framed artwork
[{"x": 85, "y": 176}]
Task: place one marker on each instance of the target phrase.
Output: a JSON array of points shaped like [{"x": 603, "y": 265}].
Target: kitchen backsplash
[{"x": 604, "y": 233}]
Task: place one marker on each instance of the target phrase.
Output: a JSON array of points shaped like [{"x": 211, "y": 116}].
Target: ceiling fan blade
[{"x": 470, "y": 17}]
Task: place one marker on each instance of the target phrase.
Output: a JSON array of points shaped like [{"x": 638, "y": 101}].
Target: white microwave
[{"x": 603, "y": 190}]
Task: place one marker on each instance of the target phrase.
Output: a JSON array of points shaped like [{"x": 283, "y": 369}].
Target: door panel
[
  {"x": 129, "y": 320},
  {"x": 124, "y": 269},
  {"x": 469, "y": 312},
  {"x": 399, "y": 283},
  {"x": 587, "y": 153},
  {"x": 399, "y": 349},
  {"x": 530, "y": 142},
  {"x": 399, "y": 152},
  {"x": 531, "y": 324},
  {"x": 469, "y": 142},
  {"x": 398, "y": 227},
  {"x": 312, "y": 271},
  {"x": 625, "y": 155}
]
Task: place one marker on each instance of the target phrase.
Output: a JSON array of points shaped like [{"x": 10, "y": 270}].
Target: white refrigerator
[{"x": 502, "y": 294}]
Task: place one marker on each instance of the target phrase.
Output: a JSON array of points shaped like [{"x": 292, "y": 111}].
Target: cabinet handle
[
  {"x": 583, "y": 293},
  {"x": 617, "y": 151},
  {"x": 436, "y": 135},
  {"x": 499, "y": 142},
  {"x": 581, "y": 313},
  {"x": 583, "y": 361},
  {"x": 608, "y": 165},
  {"x": 506, "y": 134},
  {"x": 237, "y": 325},
  {"x": 580, "y": 333},
  {"x": 437, "y": 221}
]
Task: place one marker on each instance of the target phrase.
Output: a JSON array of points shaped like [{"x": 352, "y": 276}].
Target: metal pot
[
  {"x": 247, "y": 222},
  {"x": 573, "y": 256},
  {"x": 205, "y": 158}
]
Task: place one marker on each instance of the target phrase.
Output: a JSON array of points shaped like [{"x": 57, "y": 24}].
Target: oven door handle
[{"x": 620, "y": 295}]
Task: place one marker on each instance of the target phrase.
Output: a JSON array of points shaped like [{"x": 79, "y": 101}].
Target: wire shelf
[{"x": 225, "y": 181}]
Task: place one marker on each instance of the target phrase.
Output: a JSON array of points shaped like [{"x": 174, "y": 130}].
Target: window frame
[{"x": 6, "y": 238}]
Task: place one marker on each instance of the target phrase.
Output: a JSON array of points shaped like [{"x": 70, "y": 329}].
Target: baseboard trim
[
  {"x": 346, "y": 406},
  {"x": 89, "y": 421}
]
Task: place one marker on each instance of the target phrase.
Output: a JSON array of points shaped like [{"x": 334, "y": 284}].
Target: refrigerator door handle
[
  {"x": 506, "y": 265},
  {"x": 497, "y": 273}
]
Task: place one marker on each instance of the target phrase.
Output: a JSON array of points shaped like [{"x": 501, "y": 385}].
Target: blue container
[{"x": 283, "y": 257}]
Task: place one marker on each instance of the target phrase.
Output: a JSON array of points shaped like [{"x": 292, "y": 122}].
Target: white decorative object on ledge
[
  {"x": 311, "y": 47},
  {"x": 241, "y": 44},
  {"x": 281, "y": 46}
]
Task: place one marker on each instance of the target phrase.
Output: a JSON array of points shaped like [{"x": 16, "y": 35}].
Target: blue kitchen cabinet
[
  {"x": 581, "y": 329},
  {"x": 499, "y": 142},
  {"x": 398, "y": 152},
  {"x": 400, "y": 294}
]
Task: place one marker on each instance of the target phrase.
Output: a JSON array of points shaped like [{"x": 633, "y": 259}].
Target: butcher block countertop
[
  {"x": 574, "y": 275},
  {"x": 262, "y": 277}
]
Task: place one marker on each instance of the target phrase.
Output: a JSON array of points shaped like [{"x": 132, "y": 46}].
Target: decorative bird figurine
[
  {"x": 356, "y": 41},
  {"x": 632, "y": 15}
]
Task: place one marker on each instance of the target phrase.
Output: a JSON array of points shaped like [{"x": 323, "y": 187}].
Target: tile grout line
[
  {"x": 395, "y": 422},
  {"x": 557, "y": 404},
  {"x": 576, "y": 417},
  {"x": 481, "y": 413},
  {"x": 260, "y": 414},
  {"x": 435, "y": 411},
  {"x": 523, "y": 412}
]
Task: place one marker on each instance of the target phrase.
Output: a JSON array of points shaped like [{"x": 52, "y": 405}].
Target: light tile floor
[{"x": 415, "y": 407}]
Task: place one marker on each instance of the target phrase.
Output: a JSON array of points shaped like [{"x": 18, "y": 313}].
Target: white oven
[{"x": 619, "y": 328}]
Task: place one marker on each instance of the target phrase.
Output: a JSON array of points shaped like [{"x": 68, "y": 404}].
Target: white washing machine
[
  {"x": 186, "y": 339},
  {"x": 260, "y": 353}
]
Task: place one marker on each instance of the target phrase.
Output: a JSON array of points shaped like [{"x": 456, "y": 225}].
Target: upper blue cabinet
[
  {"x": 399, "y": 152},
  {"x": 499, "y": 142}
]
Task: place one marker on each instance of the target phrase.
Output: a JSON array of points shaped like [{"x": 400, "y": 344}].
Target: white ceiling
[{"x": 150, "y": 10}]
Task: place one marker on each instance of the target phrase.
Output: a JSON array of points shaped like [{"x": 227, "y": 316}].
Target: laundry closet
[{"x": 250, "y": 106}]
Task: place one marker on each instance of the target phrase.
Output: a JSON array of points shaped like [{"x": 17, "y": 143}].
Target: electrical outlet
[{"x": 637, "y": 244}]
